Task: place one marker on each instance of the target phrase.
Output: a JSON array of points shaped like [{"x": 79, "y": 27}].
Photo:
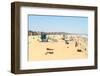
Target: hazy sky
[{"x": 68, "y": 24}]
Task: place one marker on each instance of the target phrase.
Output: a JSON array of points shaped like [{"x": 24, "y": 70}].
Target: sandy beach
[{"x": 56, "y": 50}]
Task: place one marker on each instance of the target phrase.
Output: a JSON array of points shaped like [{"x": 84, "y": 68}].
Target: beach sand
[{"x": 39, "y": 51}]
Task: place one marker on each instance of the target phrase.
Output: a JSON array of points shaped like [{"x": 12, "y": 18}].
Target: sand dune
[{"x": 57, "y": 50}]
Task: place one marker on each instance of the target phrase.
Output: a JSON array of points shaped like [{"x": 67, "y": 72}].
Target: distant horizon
[
  {"x": 67, "y": 24},
  {"x": 60, "y": 32}
]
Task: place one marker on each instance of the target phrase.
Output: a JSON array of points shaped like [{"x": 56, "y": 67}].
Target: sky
[{"x": 68, "y": 24}]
